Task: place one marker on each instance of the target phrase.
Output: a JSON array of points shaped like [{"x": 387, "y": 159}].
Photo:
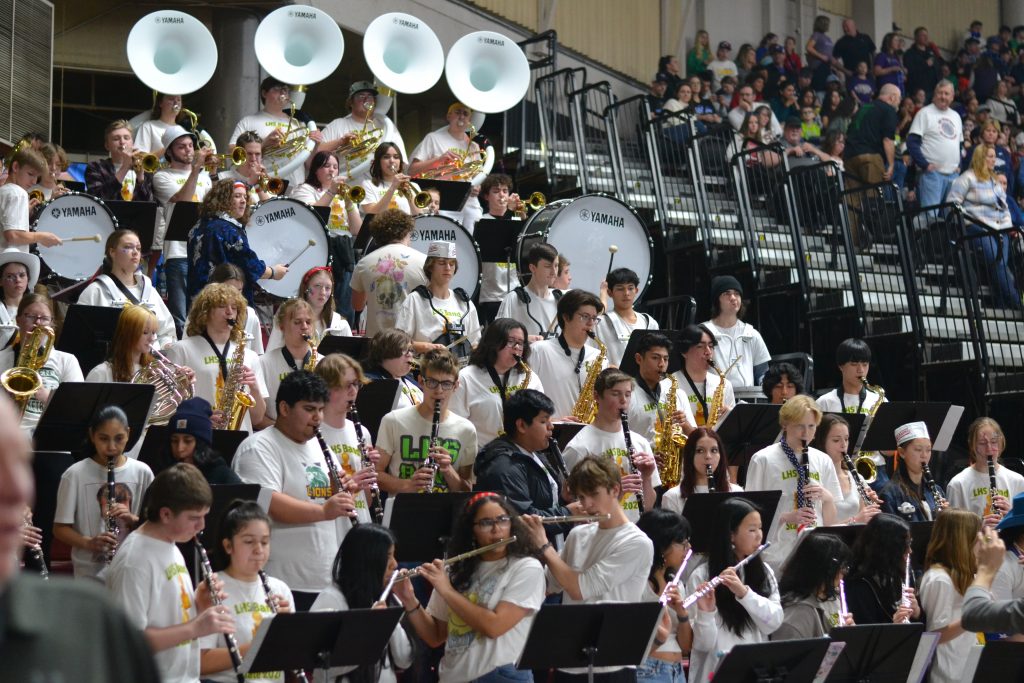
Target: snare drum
[
  {"x": 439, "y": 228},
  {"x": 583, "y": 228},
  {"x": 75, "y": 214},
  {"x": 280, "y": 231}
]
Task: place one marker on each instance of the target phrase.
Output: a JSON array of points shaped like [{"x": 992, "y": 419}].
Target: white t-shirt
[
  {"x": 265, "y": 123},
  {"x": 81, "y": 500},
  {"x": 167, "y": 182},
  {"x": 536, "y": 315},
  {"x": 478, "y": 398},
  {"x": 387, "y": 276},
  {"x": 150, "y": 582},
  {"x": 13, "y": 212},
  {"x": 425, "y": 320},
  {"x": 405, "y": 436},
  {"x": 770, "y": 470},
  {"x": 59, "y": 367},
  {"x": 345, "y": 447},
  {"x": 645, "y": 414},
  {"x": 196, "y": 353},
  {"x": 253, "y": 331},
  {"x": 733, "y": 342},
  {"x": 720, "y": 69},
  {"x": 830, "y": 403},
  {"x": 557, "y": 371},
  {"x": 339, "y": 326},
  {"x": 498, "y": 278},
  {"x": 248, "y": 603},
  {"x": 941, "y": 137},
  {"x": 968, "y": 490},
  {"x": 613, "y": 565},
  {"x": 673, "y": 498},
  {"x": 1009, "y": 581},
  {"x": 942, "y": 604},
  {"x": 103, "y": 292},
  {"x": 274, "y": 368},
  {"x": 346, "y": 124},
  {"x": 150, "y": 135},
  {"x": 303, "y": 553},
  {"x": 467, "y": 654},
  {"x": 594, "y": 441},
  {"x": 375, "y": 193},
  {"x": 437, "y": 142},
  {"x": 847, "y": 505},
  {"x": 104, "y": 372},
  {"x": 614, "y": 331},
  {"x": 710, "y": 384}
]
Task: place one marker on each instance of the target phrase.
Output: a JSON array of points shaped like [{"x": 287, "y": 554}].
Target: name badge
[{"x": 455, "y": 328}]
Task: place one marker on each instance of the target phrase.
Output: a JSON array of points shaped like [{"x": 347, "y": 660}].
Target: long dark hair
[
  {"x": 688, "y": 482},
  {"x": 812, "y": 568},
  {"x": 901, "y": 477},
  {"x": 236, "y": 516},
  {"x": 495, "y": 336},
  {"x": 463, "y": 539},
  {"x": 878, "y": 557},
  {"x": 721, "y": 555},
  {"x": 375, "y": 171},
  {"x": 104, "y": 414},
  {"x": 664, "y": 528},
  {"x": 319, "y": 161}
]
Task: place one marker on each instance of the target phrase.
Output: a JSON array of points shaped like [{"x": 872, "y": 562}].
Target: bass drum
[
  {"x": 284, "y": 230},
  {"x": 439, "y": 228},
  {"x": 583, "y": 229},
  {"x": 75, "y": 215}
]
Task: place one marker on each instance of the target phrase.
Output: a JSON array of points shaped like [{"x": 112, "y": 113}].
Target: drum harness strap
[
  {"x": 526, "y": 299},
  {"x": 128, "y": 294},
  {"x": 450, "y": 330}
]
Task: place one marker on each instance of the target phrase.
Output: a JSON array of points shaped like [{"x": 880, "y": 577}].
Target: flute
[
  {"x": 375, "y": 507},
  {"x": 462, "y": 556},
  {"x": 630, "y": 453},
  {"x": 715, "y": 581},
  {"x": 565, "y": 519},
  {"x": 236, "y": 658},
  {"x": 842, "y": 602},
  {"x": 904, "y": 598},
  {"x": 299, "y": 674},
  {"x": 677, "y": 578}
]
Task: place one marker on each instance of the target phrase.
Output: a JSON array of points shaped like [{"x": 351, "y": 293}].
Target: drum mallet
[
  {"x": 611, "y": 259},
  {"x": 84, "y": 238},
  {"x": 311, "y": 243}
]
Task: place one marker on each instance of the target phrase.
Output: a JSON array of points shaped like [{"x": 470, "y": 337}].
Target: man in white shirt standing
[
  {"x": 721, "y": 66},
  {"x": 446, "y": 145},
  {"x": 738, "y": 345},
  {"x": 936, "y": 135},
  {"x": 362, "y": 95}
]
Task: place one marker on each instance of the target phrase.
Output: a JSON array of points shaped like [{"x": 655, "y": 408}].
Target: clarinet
[
  {"x": 710, "y": 474},
  {"x": 375, "y": 506},
  {"x": 36, "y": 551},
  {"x": 715, "y": 581},
  {"x": 992, "y": 490},
  {"x": 630, "y": 453},
  {"x": 204, "y": 559},
  {"x": 299, "y": 674},
  {"x": 435, "y": 441},
  {"x": 111, "y": 521},
  {"x": 332, "y": 471},
  {"x": 848, "y": 460},
  {"x": 929, "y": 480},
  {"x": 802, "y": 479},
  {"x": 556, "y": 457}
]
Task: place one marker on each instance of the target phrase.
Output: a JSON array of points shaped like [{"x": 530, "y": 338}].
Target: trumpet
[
  {"x": 37, "y": 195},
  {"x": 272, "y": 185},
  {"x": 567, "y": 519},
  {"x": 463, "y": 556},
  {"x": 149, "y": 163},
  {"x": 353, "y": 193},
  {"x": 219, "y": 162}
]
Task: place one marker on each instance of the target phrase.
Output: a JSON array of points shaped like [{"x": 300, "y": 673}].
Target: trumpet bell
[
  {"x": 487, "y": 72},
  {"x": 172, "y": 52},
  {"x": 403, "y": 53},
  {"x": 299, "y": 44}
]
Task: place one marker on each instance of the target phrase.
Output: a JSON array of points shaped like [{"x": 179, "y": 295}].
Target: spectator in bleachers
[
  {"x": 860, "y": 85},
  {"x": 793, "y": 64},
  {"x": 853, "y": 48},
  {"x": 1001, "y": 107},
  {"x": 775, "y": 71},
  {"x": 656, "y": 96},
  {"x": 808, "y": 98},
  {"x": 1017, "y": 70},
  {"x": 830, "y": 108},
  {"x": 785, "y": 105},
  {"x": 670, "y": 71},
  {"x": 974, "y": 32},
  {"x": 986, "y": 75},
  {"x": 764, "y": 48},
  {"x": 746, "y": 60},
  {"x": 922, "y": 60},
  {"x": 834, "y": 144},
  {"x": 888, "y": 66},
  {"x": 698, "y": 58},
  {"x": 747, "y": 104},
  {"x": 819, "y": 52},
  {"x": 810, "y": 124},
  {"x": 749, "y": 137},
  {"x": 987, "y": 133},
  {"x": 722, "y": 66},
  {"x": 799, "y": 151},
  {"x": 766, "y": 118},
  {"x": 870, "y": 139},
  {"x": 934, "y": 141}
]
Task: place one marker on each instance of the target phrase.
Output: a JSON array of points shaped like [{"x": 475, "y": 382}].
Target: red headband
[{"x": 480, "y": 496}]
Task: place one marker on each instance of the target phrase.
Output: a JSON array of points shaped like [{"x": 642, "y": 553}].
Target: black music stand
[
  {"x": 320, "y": 640},
  {"x": 628, "y": 362},
  {"x": 497, "y": 238},
  {"x": 423, "y": 523},
  {"x": 564, "y": 432},
  {"x": 47, "y": 469},
  {"x": 73, "y": 185},
  {"x": 699, "y": 509},
  {"x": 453, "y": 192},
  {"x": 183, "y": 218},
  {"x": 575, "y": 636},
  {"x": 881, "y": 435},
  {"x": 356, "y": 347},
  {"x": 93, "y": 332},
  {"x": 64, "y": 424},
  {"x": 375, "y": 400},
  {"x": 1001, "y": 660},
  {"x": 322, "y": 212},
  {"x": 780, "y": 661},
  {"x": 139, "y": 217},
  {"x": 875, "y": 652},
  {"x": 155, "y": 445},
  {"x": 749, "y": 426}
]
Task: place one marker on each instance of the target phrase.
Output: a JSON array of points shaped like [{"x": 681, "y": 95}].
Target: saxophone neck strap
[
  {"x": 568, "y": 352},
  {"x": 861, "y": 397},
  {"x": 222, "y": 354},
  {"x": 701, "y": 398},
  {"x": 290, "y": 359},
  {"x": 500, "y": 382}
]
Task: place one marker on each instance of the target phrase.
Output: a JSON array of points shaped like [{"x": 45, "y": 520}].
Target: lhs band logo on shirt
[{"x": 414, "y": 450}]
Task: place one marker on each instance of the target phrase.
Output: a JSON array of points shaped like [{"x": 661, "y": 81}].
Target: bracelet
[
  {"x": 683, "y": 620},
  {"x": 410, "y": 611},
  {"x": 540, "y": 550}
]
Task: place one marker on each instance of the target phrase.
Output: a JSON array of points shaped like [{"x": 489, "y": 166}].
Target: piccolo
[
  {"x": 566, "y": 519},
  {"x": 714, "y": 582},
  {"x": 463, "y": 556},
  {"x": 677, "y": 578}
]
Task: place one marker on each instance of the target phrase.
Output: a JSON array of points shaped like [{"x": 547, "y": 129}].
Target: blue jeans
[
  {"x": 1004, "y": 290},
  {"x": 343, "y": 298},
  {"x": 932, "y": 187},
  {"x": 656, "y": 671},
  {"x": 507, "y": 673},
  {"x": 176, "y": 272}
]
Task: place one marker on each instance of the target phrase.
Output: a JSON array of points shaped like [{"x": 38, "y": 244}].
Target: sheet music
[
  {"x": 945, "y": 435},
  {"x": 828, "y": 661},
  {"x": 925, "y": 653}
]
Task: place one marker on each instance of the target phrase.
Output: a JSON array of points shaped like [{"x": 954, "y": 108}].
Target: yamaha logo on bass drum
[
  {"x": 274, "y": 216},
  {"x": 614, "y": 220},
  {"x": 73, "y": 211},
  {"x": 433, "y": 236}
]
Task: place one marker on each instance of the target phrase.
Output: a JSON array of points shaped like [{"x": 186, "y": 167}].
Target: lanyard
[
  {"x": 568, "y": 352},
  {"x": 124, "y": 290}
]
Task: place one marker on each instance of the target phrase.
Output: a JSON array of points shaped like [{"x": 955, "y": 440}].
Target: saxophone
[
  {"x": 230, "y": 398},
  {"x": 669, "y": 439},
  {"x": 313, "y": 356},
  {"x": 585, "y": 408},
  {"x": 718, "y": 398},
  {"x": 864, "y": 464},
  {"x": 526, "y": 377}
]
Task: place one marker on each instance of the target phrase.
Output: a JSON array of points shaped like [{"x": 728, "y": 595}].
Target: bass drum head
[
  {"x": 583, "y": 229},
  {"x": 280, "y": 231},
  {"x": 75, "y": 214},
  {"x": 442, "y": 229}
]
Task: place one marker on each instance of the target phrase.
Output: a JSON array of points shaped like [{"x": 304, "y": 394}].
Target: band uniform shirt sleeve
[{"x": 14, "y": 213}]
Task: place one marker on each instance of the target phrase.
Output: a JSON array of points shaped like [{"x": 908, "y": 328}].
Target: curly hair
[
  {"x": 213, "y": 296},
  {"x": 391, "y": 226},
  {"x": 218, "y": 201}
]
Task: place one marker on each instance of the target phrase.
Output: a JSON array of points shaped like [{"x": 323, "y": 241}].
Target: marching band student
[
  {"x": 563, "y": 276},
  {"x": 362, "y": 568},
  {"x": 149, "y": 137},
  {"x": 131, "y": 348},
  {"x": 294, "y": 319},
  {"x": 230, "y": 274},
  {"x": 435, "y": 315},
  {"x": 498, "y": 278},
  {"x": 286, "y": 459},
  {"x": 149, "y": 580},
  {"x": 619, "y": 322},
  {"x": 745, "y": 607},
  {"x": 390, "y": 357},
  {"x": 215, "y": 325},
  {"x": 969, "y": 489},
  {"x": 387, "y": 275},
  {"x": 389, "y": 185},
  {"x": 344, "y": 376},
  {"x": 446, "y": 145},
  {"x": 244, "y": 537},
  {"x": 649, "y": 406},
  {"x": 317, "y": 288},
  {"x": 121, "y": 283},
  {"x": 778, "y": 467},
  {"x": 496, "y": 371},
  {"x": 907, "y": 494},
  {"x": 609, "y": 561},
  {"x": 481, "y": 610},
  {"x": 605, "y": 438},
  {"x": 323, "y": 187},
  {"x": 81, "y": 517},
  {"x": 119, "y": 176},
  {"x": 670, "y": 534},
  {"x": 362, "y": 95},
  {"x": 252, "y": 172},
  {"x": 782, "y": 382},
  {"x": 535, "y": 304},
  {"x": 190, "y": 440},
  {"x": 735, "y": 341},
  {"x": 26, "y": 167},
  {"x": 564, "y": 363},
  {"x": 853, "y": 356},
  {"x": 810, "y": 588},
  {"x": 703, "y": 449},
  {"x": 697, "y": 347},
  {"x": 36, "y": 310},
  {"x": 875, "y": 593},
  {"x": 833, "y": 439},
  {"x": 403, "y": 438},
  {"x": 56, "y": 170},
  {"x": 19, "y": 272},
  {"x": 950, "y": 567}
]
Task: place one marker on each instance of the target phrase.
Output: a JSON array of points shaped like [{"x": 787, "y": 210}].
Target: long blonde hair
[
  {"x": 978, "y": 162},
  {"x": 952, "y": 546},
  {"x": 974, "y": 431}
]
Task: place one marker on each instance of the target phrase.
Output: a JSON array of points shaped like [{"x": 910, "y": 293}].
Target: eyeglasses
[
  {"x": 38, "y": 319},
  {"x": 515, "y": 344},
  {"x": 587, "y": 319},
  {"x": 431, "y": 383},
  {"x": 14, "y": 277},
  {"x": 408, "y": 352},
  {"x": 489, "y": 523},
  {"x": 986, "y": 444}
]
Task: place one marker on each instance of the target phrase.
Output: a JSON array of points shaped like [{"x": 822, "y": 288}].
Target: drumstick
[
  {"x": 611, "y": 259},
  {"x": 83, "y": 238},
  {"x": 461, "y": 339},
  {"x": 311, "y": 243}
]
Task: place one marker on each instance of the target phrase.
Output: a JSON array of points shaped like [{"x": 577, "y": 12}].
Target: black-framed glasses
[
  {"x": 488, "y": 523},
  {"x": 515, "y": 344},
  {"x": 431, "y": 383}
]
